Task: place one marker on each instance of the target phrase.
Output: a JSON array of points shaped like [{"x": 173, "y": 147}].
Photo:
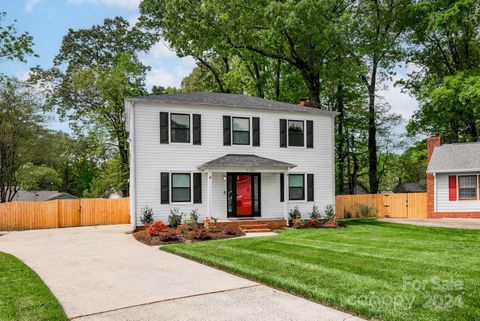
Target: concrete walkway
[
  {"x": 101, "y": 273},
  {"x": 465, "y": 223}
]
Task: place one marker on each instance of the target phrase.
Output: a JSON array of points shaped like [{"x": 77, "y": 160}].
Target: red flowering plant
[{"x": 156, "y": 228}]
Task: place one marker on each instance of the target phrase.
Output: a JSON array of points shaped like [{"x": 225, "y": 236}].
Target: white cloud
[
  {"x": 133, "y": 20},
  {"x": 130, "y": 4},
  {"x": 400, "y": 102},
  {"x": 30, "y": 4},
  {"x": 160, "y": 76},
  {"x": 161, "y": 50}
]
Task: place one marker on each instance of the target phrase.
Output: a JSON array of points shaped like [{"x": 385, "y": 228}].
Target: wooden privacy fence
[
  {"x": 63, "y": 213},
  {"x": 399, "y": 205}
]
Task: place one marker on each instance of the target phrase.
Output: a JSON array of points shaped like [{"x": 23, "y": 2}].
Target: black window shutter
[
  {"x": 163, "y": 128},
  {"x": 197, "y": 129},
  {"x": 226, "y": 131},
  {"x": 165, "y": 188},
  {"x": 197, "y": 188},
  {"x": 282, "y": 187},
  {"x": 256, "y": 131},
  {"x": 309, "y": 133},
  {"x": 283, "y": 133},
  {"x": 310, "y": 197}
]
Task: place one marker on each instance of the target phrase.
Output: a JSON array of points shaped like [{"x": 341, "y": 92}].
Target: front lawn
[
  {"x": 373, "y": 269},
  {"x": 23, "y": 295}
]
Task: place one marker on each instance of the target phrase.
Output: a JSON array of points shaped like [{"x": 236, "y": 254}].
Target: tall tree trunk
[
  {"x": 312, "y": 80},
  {"x": 277, "y": 79},
  {"x": 340, "y": 141},
  {"x": 372, "y": 132}
]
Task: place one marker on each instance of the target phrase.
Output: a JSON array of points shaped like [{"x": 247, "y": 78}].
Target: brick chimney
[{"x": 432, "y": 142}]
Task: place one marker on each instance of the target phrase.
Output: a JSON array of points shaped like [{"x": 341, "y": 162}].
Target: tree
[
  {"x": 95, "y": 70},
  {"x": 445, "y": 42},
  {"x": 37, "y": 178},
  {"x": 20, "y": 119},
  {"x": 378, "y": 28},
  {"x": 107, "y": 88},
  {"x": 14, "y": 46},
  {"x": 303, "y": 34}
]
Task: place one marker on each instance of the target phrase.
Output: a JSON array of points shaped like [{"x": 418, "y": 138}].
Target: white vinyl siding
[
  {"x": 152, "y": 158},
  {"x": 443, "y": 204}
]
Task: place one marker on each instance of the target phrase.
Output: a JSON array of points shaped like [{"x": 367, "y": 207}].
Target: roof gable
[{"x": 451, "y": 158}]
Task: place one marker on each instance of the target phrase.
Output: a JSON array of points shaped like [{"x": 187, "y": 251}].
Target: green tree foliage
[
  {"x": 446, "y": 48},
  {"x": 95, "y": 70},
  {"x": 213, "y": 30},
  {"x": 14, "y": 46},
  {"x": 37, "y": 178},
  {"x": 20, "y": 119}
]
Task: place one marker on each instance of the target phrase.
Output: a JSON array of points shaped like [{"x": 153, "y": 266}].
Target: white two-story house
[{"x": 229, "y": 156}]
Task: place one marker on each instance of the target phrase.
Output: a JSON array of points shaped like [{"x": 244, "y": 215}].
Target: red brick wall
[{"x": 432, "y": 142}]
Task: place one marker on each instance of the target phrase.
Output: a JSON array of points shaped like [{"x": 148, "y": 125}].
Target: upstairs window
[
  {"x": 241, "y": 131},
  {"x": 296, "y": 187},
  {"x": 180, "y": 128},
  {"x": 296, "y": 136},
  {"x": 181, "y": 187},
  {"x": 467, "y": 187}
]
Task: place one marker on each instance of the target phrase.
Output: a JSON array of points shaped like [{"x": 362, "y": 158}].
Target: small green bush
[
  {"x": 192, "y": 222},
  {"x": 147, "y": 216},
  {"x": 329, "y": 211},
  {"x": 175, "y": 218},
  {"x": 294, "y": 214}
]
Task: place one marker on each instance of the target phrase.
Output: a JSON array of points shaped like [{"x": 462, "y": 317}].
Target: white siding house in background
[
  {"x": 453, "y": 179},
  {"x": 229, "y": 156}
]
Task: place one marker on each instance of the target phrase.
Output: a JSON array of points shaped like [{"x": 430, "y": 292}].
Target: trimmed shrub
[
  {"x": 169, "y": 236},
  {"x": 147, "y": 216},
  {"x": 175, "y": 218},
  {"x": 200, "y": 234},
  {"x": 232, "y": 231},
  {"x": 156, "y": 228},
  {"x": 192, "y": 222},
  {"x": 294, "y": 214}
]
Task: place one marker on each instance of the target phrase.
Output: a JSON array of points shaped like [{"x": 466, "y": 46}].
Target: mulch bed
[{"x": 142, "y": 236}]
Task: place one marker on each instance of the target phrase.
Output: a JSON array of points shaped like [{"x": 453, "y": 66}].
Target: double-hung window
[
  {"x": 296, "y": 134},
  {"x": 467, "y": 187},
  {"x": 181, "y": 187},
  {"x": 180, "y": 128},
  {"x": 296, "y": 187},
  {"x": 241, "y": 130}
]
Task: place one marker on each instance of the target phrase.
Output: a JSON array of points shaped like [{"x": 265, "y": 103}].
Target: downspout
[
  {"x": 133, "y": 185},
  {"x": 285, "y": 196}
]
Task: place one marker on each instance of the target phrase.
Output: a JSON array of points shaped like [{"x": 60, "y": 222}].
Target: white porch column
[
  {"x": 285, "y": 196},
  {"x": 209, "y": 193}
]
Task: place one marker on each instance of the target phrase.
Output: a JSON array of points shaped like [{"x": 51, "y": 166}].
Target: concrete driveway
[
  {"x": 465, "y": 223},
  {"x": 102, "y": 273}
]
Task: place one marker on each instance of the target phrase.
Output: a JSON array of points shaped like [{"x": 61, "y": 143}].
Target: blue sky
[{"x": 49, "y": 20}]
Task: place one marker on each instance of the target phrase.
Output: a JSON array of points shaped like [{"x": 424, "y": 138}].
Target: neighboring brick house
[{"x": 453, "y": 179}]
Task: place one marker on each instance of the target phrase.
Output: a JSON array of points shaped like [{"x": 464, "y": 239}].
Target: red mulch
[{"x": 142, "y": 236}]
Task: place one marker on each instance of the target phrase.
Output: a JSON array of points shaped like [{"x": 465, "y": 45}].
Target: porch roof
[{"x": 245, "y": 161}]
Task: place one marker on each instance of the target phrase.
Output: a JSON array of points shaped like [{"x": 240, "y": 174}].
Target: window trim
[
  {"x": 304, "y": 188},
  {"x": 241, "y": 131},
  {"x": 304, "y": 134},
  {"x": 172, "y": 201},
  {"x": 190, "y": 130},
  {"x": 477, "y": 188}
]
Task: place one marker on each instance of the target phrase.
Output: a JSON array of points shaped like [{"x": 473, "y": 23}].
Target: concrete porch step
[
  {"x": 256, "y": 230},
  {"x": 255, "y": 227}
]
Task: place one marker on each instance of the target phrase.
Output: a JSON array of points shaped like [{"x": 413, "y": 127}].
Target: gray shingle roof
[
  {"x": 245, "y": 160},
  {"x": 228, "y": 100},
  {"x": 451, "y": 158}
]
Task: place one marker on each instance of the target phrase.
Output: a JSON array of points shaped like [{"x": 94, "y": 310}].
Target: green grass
[
  {"x": 23, "y": 295},
  {"x": 369, "y": 268}
]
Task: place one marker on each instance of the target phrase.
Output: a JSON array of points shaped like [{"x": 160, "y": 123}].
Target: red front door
[{"x": 244, "y": 195}]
